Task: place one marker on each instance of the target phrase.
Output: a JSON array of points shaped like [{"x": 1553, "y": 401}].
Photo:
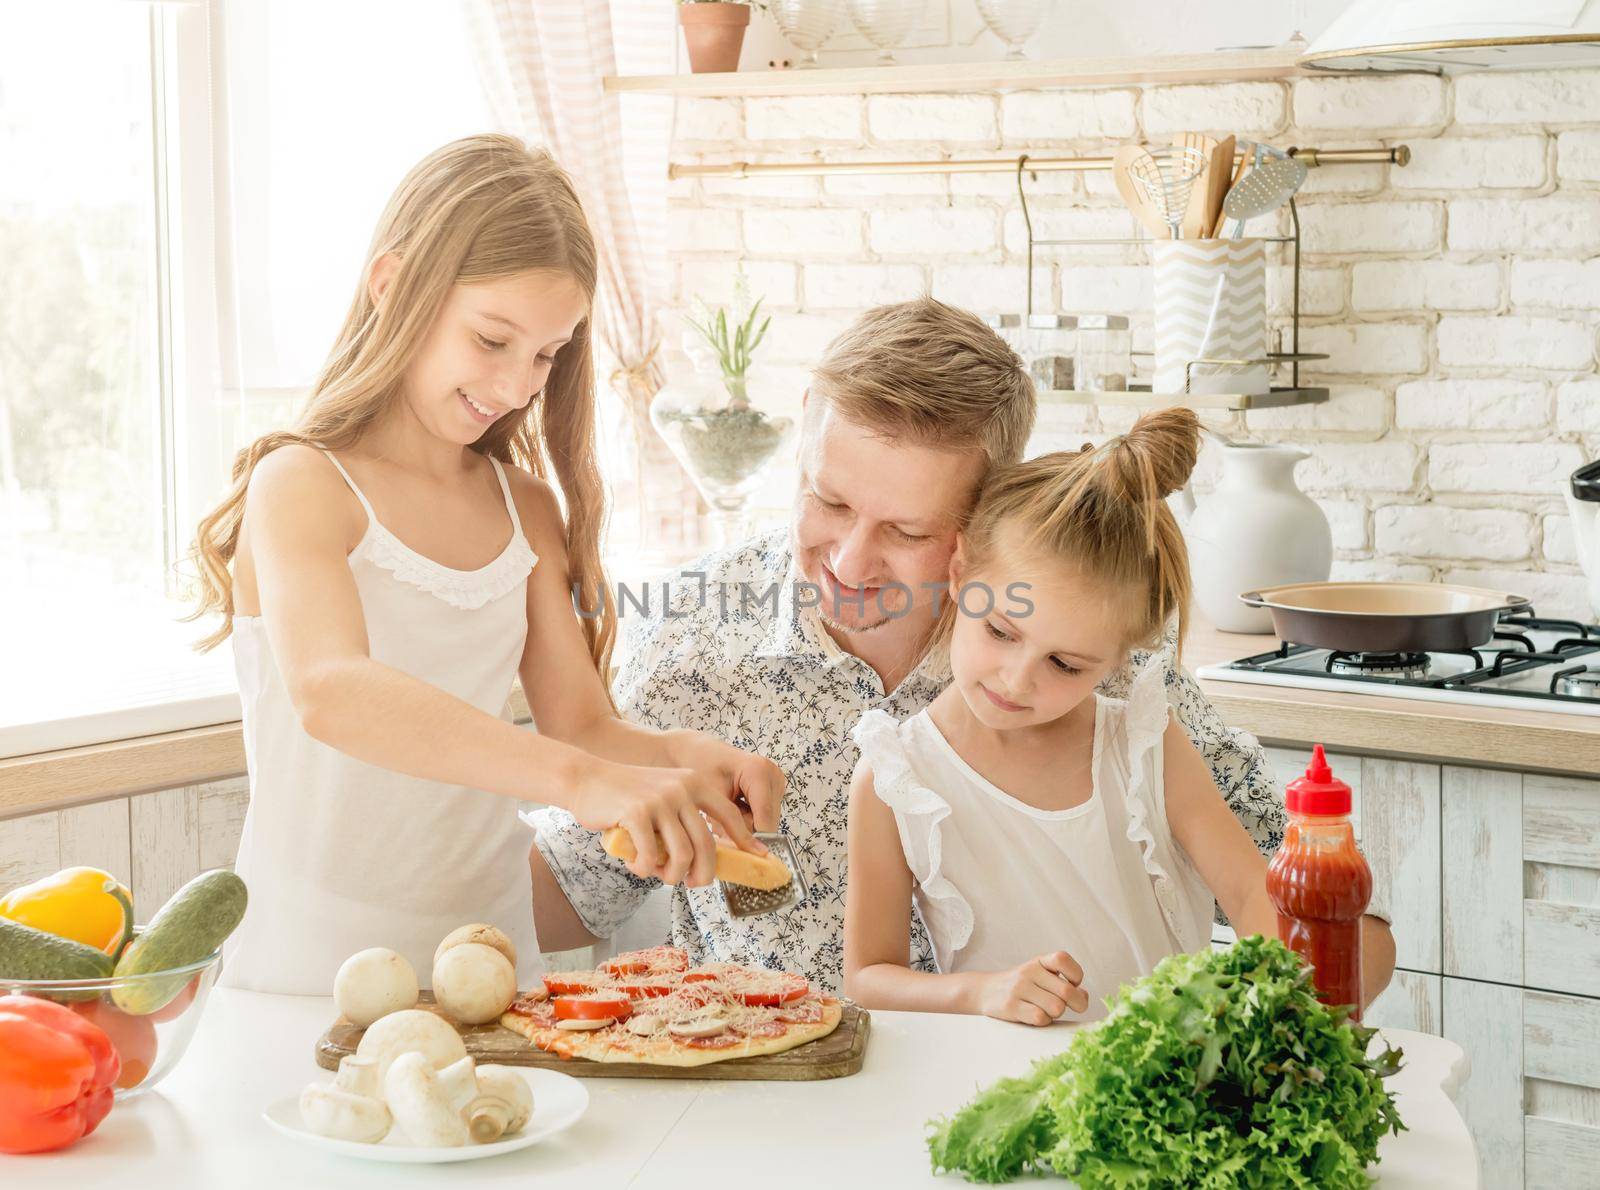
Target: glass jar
[{"x": 1105, "y": 353}]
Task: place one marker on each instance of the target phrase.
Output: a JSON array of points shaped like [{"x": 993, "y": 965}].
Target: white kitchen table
[{"x": 203, "y": 1128}]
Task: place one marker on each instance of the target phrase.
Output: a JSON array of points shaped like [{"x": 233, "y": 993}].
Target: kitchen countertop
[
  {"x": 202, "y": 1127},
  {"x": 1493, "y": 737},
  {"x": 1404, "y": 728}
]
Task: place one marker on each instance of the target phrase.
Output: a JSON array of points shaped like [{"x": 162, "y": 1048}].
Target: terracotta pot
[{"x": 714, "y": 34}]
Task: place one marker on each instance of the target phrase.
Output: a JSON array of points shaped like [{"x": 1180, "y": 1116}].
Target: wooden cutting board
[{"x": 838, "y": 1054}]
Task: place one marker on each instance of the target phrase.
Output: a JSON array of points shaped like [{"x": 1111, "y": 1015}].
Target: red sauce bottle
[{"x": 1321, "y": 884}]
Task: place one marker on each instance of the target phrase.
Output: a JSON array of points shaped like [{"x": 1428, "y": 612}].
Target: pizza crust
[{"x": 611, "y": 1045}]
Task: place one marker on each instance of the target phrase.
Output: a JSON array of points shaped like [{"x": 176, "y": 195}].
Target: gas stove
[{"x": 1553, "y": 665}]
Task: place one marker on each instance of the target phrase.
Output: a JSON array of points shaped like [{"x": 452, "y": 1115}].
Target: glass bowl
[{"x": 150, "y": 1041}]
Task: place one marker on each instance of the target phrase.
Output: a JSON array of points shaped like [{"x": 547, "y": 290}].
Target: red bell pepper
[{"x": 57, "y": 1071}]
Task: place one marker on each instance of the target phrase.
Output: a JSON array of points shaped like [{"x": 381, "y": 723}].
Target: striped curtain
[{"x": 543, "y": 65}]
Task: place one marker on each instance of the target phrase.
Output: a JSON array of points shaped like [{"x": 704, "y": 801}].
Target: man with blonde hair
[{"x": 780, "y": 644}]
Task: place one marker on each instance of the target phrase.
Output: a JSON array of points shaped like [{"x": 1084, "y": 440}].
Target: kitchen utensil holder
[{"x": 1143, "y": 394}]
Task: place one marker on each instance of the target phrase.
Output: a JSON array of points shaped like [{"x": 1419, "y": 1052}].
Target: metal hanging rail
[{"x": 1392, "y": 155}]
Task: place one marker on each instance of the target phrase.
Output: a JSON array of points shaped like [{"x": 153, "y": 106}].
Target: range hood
[{"x": 1452, "y": 35}]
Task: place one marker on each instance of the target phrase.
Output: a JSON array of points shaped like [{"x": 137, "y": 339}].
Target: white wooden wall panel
[
  {"x": 96, "y": 836},
  {"x": 1400, "y": 838},
  {"x": 166, "y": 846},
  {"x": 1482, "y": 874},
  {"x": 1411, "y": 1001},
  {"x": 1485, "y": 1019},
  {"x": 221, "y": 809},
  {"x": 29, "y": 848}
]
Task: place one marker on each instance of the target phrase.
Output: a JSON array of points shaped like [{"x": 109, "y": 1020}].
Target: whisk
[{"x": 1165, "y": 176}]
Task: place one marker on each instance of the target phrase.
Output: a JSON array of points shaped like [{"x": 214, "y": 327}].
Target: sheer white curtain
[{"x": 543, "y": 64}]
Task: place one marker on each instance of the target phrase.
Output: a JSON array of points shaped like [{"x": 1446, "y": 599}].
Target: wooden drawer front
[
  {"x": 1521, "y": 880},
  {"x": 1561, "y": 1156},
  {"x": 1532, "y": 1093}
]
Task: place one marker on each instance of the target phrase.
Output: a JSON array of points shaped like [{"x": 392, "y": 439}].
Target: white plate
[{"x": 558, "y": 1102}]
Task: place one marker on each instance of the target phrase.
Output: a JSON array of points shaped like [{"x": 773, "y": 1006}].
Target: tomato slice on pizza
[{"x": 593, "y": 1006}]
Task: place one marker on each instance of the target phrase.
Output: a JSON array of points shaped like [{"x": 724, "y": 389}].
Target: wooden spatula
[
  {"x": 1219, "y": 177},
  {"x": 1141, "y": 206},
  {"x": 1194, "y": 216}
]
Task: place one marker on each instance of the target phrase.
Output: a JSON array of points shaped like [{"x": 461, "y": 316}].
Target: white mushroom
[
  {"x": 474, "y": 983},
  {"x": 458, "y": 1082},
  {"x": 372, "y": 984},
  {"x": 349, "y": 1108},
  {"x": 421, "y": 1108},
  {"x": 504, "y": 1104},
  {"x": 408, "y": 1030},
  {"x": 704, "y": 1026},
  {"x": 478, "y": 932}
]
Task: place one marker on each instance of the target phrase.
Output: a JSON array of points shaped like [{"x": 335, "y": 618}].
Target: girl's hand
[
  {"x": 664, "y": 811},
  {"x": 756, "y": 784},
  {"x": 1036, "y": 992}
]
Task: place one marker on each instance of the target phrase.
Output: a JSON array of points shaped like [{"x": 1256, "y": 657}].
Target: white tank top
[
  {"x": 339, "y": 855},
  {"x": 999, "y": 881}
]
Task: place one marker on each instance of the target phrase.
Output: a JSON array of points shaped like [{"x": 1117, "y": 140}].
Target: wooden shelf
[
  {"x": 1278, "y": 398},
  {"x": 1230, "y": 65}
]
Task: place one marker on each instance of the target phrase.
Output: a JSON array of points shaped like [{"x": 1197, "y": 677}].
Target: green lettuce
[{"x": 1218, "y": 1069}]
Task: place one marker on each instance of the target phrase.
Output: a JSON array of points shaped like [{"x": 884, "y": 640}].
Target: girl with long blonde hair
[
  {"x": 1056, "y": 843},
  {"x": 387, "y": 567}
]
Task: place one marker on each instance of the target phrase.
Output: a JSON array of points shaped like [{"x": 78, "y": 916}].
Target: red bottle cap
[{"x": 1319, "y": 792}]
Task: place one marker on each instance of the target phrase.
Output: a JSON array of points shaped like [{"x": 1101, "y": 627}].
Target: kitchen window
[{"x": 146, "y": 171}]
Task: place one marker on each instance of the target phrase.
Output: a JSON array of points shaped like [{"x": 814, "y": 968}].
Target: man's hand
[{"x": 1036, "y": 992}]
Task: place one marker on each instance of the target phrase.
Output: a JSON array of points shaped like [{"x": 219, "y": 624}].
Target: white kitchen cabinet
[{"x": 1413, "y": 1000}]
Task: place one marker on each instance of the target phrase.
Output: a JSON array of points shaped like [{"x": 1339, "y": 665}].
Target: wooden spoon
[
  {"x": 1196, "y": 214},
  {"x": 1143, "y": 209}
]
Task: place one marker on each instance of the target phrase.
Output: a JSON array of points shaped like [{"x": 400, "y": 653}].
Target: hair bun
[{"x": 1160, "y": 451}]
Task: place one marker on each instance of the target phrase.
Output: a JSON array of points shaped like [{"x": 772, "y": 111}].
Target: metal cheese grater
[{"x": 744, "y": 901}]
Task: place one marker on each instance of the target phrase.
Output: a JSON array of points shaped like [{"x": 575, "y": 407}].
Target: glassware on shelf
[
  {"x": 718, "y": 431},
  {"x": 807, "y": 24},
  {"x": 1104, "y": 362},
  {"x": 1013, "y": 22},
  {"x": 887, "y": 23}
]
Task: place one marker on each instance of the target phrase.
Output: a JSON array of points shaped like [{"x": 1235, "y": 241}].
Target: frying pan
[{"x": 1384, "y": 617}]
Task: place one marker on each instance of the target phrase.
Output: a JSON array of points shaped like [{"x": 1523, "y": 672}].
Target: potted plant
[
  {"x": 714, "y": 427},
  {"x": 713, "y": 31}
]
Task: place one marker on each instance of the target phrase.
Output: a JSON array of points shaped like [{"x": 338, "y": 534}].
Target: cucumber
[
  {"x": 27, "y": 953},
  {"x": 196, "y": 921}
]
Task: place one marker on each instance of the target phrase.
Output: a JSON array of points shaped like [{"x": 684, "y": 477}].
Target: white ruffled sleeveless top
[
  {"x": 999, "y": 881},
  {"x": 339, "y": 855}
]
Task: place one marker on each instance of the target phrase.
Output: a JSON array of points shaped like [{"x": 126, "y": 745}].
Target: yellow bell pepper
[{"x": 84, "y": 904}]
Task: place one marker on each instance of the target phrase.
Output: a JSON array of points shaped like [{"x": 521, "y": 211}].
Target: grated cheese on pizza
[{"x": 675, "y": 1015}]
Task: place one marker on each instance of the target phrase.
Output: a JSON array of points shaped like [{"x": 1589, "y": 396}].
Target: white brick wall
[
  {"x": 1410, "y": 102},
  {"x": 1459, "y": 298},
  {"x": 1461, "y": 163}
]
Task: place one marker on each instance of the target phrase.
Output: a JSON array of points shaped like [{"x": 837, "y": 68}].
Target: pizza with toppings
[{"x": 650, "y": 1006}]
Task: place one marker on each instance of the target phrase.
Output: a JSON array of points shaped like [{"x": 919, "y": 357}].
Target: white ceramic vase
[{"x": 1257, "y": 529}]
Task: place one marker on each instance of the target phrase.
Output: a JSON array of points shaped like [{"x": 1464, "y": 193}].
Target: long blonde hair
[
  {"x": 1104, "y": 513},
  {"x": 478, "y": 209}
]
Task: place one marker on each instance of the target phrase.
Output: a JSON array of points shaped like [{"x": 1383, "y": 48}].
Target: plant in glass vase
[{"x": 711, "y": 421}]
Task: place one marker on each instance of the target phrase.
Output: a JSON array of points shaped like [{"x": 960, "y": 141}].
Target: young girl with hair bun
[
  {"x": 390, "y": 564},
  {"x": 1056, "y": 843}
]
